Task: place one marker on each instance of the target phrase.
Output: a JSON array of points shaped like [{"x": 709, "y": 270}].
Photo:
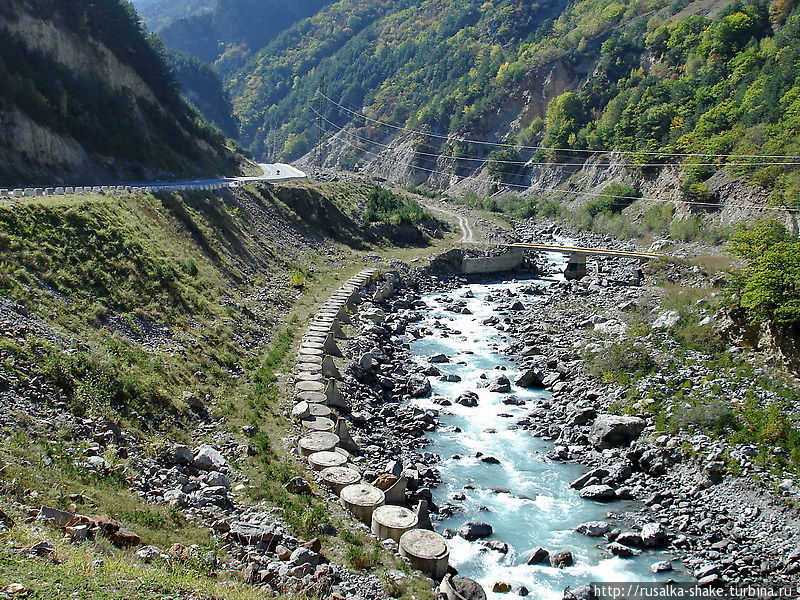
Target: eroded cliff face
[{"x": 77, "y": 112}]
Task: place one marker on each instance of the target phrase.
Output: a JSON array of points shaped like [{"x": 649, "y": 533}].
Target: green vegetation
[
  {"x": 768, "y": 288},
  {"x": 736, "y": 400},
  {"x": 384, "y": 206}
]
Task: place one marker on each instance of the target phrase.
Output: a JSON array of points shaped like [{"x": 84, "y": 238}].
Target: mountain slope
[
  {"x": 158, "y": 14},
  {"x": 86, "y": 97},
  {"x": 236, "y": 28}
]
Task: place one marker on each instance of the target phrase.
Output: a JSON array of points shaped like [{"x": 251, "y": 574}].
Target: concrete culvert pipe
[
  {"x": 320, "y": 461},
  {"x": 392, "y": 522},
  {"x": 311, "y": 397},
  {"x": 338, "y": 478},
  {"x": 362, "y": 499},
  {"x": 317, "y": 441},
  {"x": 309, "y": 386},
  {"x": 427, "y": 551},
  {"x": 318, "y": 424}
]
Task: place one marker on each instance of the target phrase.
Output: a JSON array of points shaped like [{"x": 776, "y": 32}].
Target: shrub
[
  {"x": 615, "y": 197},
  {"x": 621, "y": 361},
  {"x": 384, "y": 206}
]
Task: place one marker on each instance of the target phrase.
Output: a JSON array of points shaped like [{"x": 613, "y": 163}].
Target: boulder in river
[
  {"x": 621, "y": 550},
  {"x": 469, "y": 399},
  {"x": 475, "y": 530},
  {"x": 562, "y": 559},
  {"x": 419, "y": 386},
  {"x": 594, "y": 528},
  {"x": 610, "y": 431},
  {"x": 599, "y": 493},
  {"x": 538, "y": 556},
  {"x": 653, "y": 535},
  {"x": 584, "y": 592},
  {"x": 500, "y": 385}
]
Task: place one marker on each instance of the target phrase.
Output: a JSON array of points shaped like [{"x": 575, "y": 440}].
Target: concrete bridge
[{"x": 515, "y": 256}]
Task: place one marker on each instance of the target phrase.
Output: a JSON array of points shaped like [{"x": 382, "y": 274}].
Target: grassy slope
[{"x": 218, "y": 272}]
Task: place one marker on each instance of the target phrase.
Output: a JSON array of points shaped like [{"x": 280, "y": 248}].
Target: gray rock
[
  {"x": 621, "y": 550},
  {"x": 562, "y": 559},
  {"x": 181, "y": 455},
  {"x": 208, "y": 458},
  {"x": 475, "y": 530},
  {"x": 439, "y": 359},
  {"x": 500, "y": 385},
  {"x": 661, "y": 566},
  {"x": 538, "y": 556},
  {"x": 599, "y": 493},
  {"x": 469, "y": 399},
  {"x": 610, "y": 431},
  {"x": 419, "y": 386},
  {"x": 252, "y": 533},
  {"x": 531, "y": 378},
  {"x": 667, "y": 320},
  {"x": 594, "y": 528},
  {"x": 298, "y": 485},
  {"x": 653, "y": 535},
  {"x": 584, "y": 592},
  {"x": 304, "y": 556}
]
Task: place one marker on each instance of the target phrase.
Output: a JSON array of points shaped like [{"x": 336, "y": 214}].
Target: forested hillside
[
  {"x": 86, "y": 96},
  {"x": 710, "y": 77}
]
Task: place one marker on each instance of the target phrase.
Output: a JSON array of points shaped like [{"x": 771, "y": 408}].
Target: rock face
[
  {"x": 613, "y": 431},
  {"x": 475, "y": 530}
]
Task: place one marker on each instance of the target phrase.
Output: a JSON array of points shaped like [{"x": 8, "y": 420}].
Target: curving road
[
  {"x": 271, "y": 173},
  {"x": 467, "y": 235}
]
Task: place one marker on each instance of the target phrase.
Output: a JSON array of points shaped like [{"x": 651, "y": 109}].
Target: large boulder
[
  {"x": 612, "y": 431},
  {"x": 667, "y": 320},
  {"x": 599, "y": 493},
  {"x": 469, "y": 399},
  {"x": 253, "y": 533},
  {"x": 653, "y": 535},
  {"x": 208, "y": 458},
  {"x": 531, "y": 378},
  {"x": 419, "y": 386},
  {"x": 562, "y": 559},
  {"x": 500, "y": 384},
  {"x": 594, "y": 528},
  {"x": 475, "y": 530}
]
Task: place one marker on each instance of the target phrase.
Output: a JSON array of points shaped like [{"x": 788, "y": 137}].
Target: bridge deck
[
  {"x": 587, "y": 251},
  {"x": 576, "y": 250}
]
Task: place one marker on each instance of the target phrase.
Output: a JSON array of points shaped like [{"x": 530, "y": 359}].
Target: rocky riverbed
[{"x": 718, "y": 525}]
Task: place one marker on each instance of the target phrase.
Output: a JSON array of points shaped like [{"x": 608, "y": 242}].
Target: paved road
[
  {"x": 467, "y": 235},
  {"x": 271, "y": 172}
]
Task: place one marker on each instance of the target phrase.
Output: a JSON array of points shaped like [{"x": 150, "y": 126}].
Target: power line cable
[
  {"x": 575, "y": 192},
  {"x": 551, "y": 164},
  {"x": 553, "y": 149}
]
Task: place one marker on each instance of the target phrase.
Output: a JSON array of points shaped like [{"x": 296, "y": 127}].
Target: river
[{"x": 526, "y": 497}]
